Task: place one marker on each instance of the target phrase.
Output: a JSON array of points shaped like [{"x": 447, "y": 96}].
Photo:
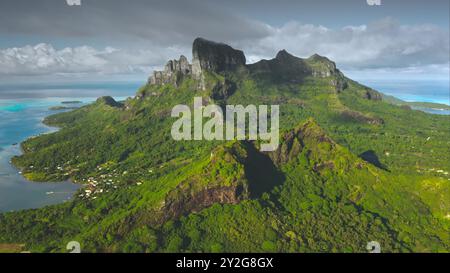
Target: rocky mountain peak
[
  {"x": 174, "y": 71},
  {"x": 207, "y": 56},
  {"x": 216, "y": 57},
  {"x": 283, "y": 54},
  {"x": 317, "y": 57},
  {"x": 322, "y": 61}
]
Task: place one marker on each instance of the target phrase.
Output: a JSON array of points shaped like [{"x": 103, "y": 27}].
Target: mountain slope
[{"x": 350, "y": 167}]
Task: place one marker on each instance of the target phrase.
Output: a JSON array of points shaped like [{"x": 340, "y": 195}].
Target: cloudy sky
[{"x": 48, "y": 39}]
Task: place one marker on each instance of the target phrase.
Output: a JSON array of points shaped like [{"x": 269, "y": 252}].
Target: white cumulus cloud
[
  {"x": 44, "y": 59},
  {"x": 381, "y": 44}
]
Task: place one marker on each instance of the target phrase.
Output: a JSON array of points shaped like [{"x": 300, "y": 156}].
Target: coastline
[
  {"x": 16, "y": 191},
  {"x": 53, "y": 128},
  {"x": 49, "y": 186}
]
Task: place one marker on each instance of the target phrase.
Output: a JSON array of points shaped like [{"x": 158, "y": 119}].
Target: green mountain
[{"x": 350, "y": 168}]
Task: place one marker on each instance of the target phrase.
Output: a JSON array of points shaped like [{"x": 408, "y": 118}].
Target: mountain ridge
[
  {"x": 209, "y": 56},
  {"x": 145, "y": 192}
]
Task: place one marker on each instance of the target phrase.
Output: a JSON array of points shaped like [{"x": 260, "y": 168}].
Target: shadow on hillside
[
  {"x": 371, "y": 157},
  {"x": 262, "y": 174}
]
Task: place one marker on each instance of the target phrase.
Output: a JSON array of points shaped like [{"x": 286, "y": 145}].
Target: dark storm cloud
[
  {"x": 160, "y": 22},
  {"x": 339, "y": 13}
]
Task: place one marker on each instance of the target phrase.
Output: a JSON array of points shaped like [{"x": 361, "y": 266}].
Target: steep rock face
[
  {"x": 284, "y": 67},
  {"x": 322, "y": 66},
  {"x": 371, "y": 94},
  {"x": 223, "y": 180},
  {"x": 287, "y": 68},
  {"x": 196, "y": 201},
  {"x": 209, "y": 56},
  {"x": 214, "y": 57},
  {"x": 174, "y": 72},
  {"x": 223, "y": 89}
]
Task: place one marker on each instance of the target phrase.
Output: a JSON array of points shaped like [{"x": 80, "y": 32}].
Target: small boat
[{"x": 49, "y": 192}]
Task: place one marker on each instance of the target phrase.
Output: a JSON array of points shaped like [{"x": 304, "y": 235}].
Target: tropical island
[
  {"x": 351, "y": 167},
  {"x": 75, "y": 105},
  {"x": 72, "y": 102},
  {"x": 57, "y": 108}
]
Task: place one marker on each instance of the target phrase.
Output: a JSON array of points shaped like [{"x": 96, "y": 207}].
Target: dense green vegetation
[{"x": 349, "y": 170}]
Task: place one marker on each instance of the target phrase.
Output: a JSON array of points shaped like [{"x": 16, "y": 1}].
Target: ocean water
[
  {"x": 434, "y": 111},
  {"x": 437, "y": 91},
  {"x": 69, "y": 90},
  {"x": 21, "y": 118}
]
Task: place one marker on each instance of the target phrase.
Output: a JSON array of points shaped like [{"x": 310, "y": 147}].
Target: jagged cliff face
[
  {"x": 219, "y": 58},
  {"x": 210, "y": 185},
  {"x": 215, "y": 57},
  {"x": 207, "y": 56},
  {"x": 290, "y": 69},
  {"x": 324, "y": 67},
  {"x": 174, "y": 72}
]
